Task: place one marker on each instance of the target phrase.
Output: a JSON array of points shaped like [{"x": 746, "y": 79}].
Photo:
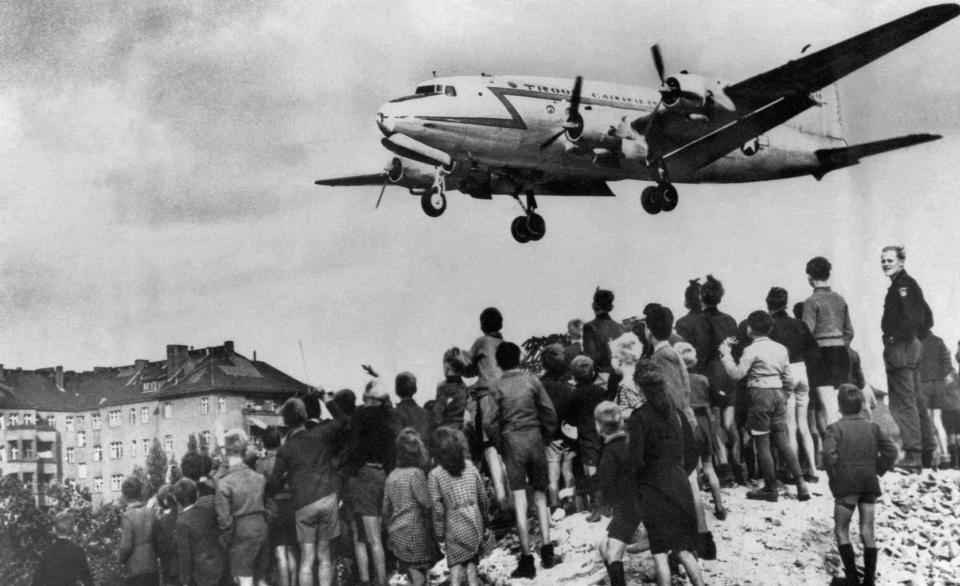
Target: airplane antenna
[
  {"x": 304, "y": 360},
  {"x": 804, "y": 49}
]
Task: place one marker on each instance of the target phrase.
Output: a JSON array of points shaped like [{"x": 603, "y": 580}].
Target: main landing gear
[
  {"x": 434, "y": 200},
  {"x": 662, "y": 197},
  {"x": 531, "y": 225}
]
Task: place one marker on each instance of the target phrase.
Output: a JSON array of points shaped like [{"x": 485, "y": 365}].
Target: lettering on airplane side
[{"x": 614, "y": 99}]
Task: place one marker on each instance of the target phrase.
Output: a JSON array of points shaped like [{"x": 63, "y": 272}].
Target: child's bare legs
[
  {"x": 809, "y": 464},
  {"x": 828, "y": 398},
  {"x": 473, "y": 579},
  {"x": 714, "y": 483},
  {"x": 941, "y": 434},
  {"x": 360, "y": 551},
  {"x": 520, "y": 509},
  {"x": 698, "y": 502},
  {"x": 373, "y": 531},
  {"x": 816, "y": 436},
  {"x": 866, "y": 525},
  {"x": 496, "y": 474},
  {"x": 690, "y": 564},
  {"x": 417, "y": 577},
  {"x": 456, "y": 574}
]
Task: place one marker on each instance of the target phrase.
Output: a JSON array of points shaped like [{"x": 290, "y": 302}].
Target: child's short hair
[
  {"x": 687, "y": 352},
  {"x": 293, "y": 412},
  {"x": 711, "y": 292},
  {"x": 235, "y": 442},
  {"x": 132, "y": 488},
  {"x": 454, "y": 361},
  {"x": 165, "y": 497},
  {"x": 582, "y": 367},
  {"x": 609, "y": 418},
  {"x": 508, "y": 355},
  {"x": 575, "y": 328},
  {"x": 850, "y": 398},
  {"x": 659, "y": 320},
  {"x": 405, "y": 385},
  {"x": 777, "y": 298},
  {"x": 185, "y": 491},
  {"x": 64, "y": 524},
  {"x": 491, "y": 320},
  {"x": 603, "y": 300},
  {"x": 798, "y": 310},
  {"x": 818, "y": 268},
  {"x": 271, "y": 438},
  {"x": 760, "y": 322},
  {"x": 411, "y": 453},
  {"x": 449, "y": 447}
]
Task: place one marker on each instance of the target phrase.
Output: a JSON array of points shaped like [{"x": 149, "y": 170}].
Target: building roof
[{"x": 185, "y": 372}]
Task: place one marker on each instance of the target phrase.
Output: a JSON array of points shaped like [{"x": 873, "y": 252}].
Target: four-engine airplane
[{"x": 512, "y": 135}]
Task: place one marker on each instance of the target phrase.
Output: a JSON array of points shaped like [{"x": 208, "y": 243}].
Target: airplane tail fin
[
  {"x": 838, "y": 158},
  {"x": 826, "y": 119}
]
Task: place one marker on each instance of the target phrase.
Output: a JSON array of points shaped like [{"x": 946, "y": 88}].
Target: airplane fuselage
[{"x": 503, "y": 121}]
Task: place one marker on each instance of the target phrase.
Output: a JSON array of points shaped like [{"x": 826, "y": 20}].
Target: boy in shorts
[
  {"x": 855, "y": 452},
  {"x": 766, "y": 366},
  {"x": 519, "y": 419}
]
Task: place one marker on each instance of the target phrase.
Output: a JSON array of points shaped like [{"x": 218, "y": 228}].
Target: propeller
[
  {"x": 382, "y": 189},
  {"x": 574, "y": 122}
]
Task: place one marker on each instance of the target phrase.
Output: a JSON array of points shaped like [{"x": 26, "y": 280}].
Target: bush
[{"x": 26, "y": 530}]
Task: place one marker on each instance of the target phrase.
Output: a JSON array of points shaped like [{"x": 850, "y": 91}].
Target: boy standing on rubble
[{"x": 855, "y": 452}]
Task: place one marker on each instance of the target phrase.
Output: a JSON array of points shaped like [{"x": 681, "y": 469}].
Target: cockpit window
[
  {"x": 429, "y": 90},
  {"x": 450, "y": 90}
]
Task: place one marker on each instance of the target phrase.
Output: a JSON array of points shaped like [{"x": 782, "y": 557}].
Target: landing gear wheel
[
  {"x": 536, "y": 226},
  {"x": 433, "y": 202},
  {"x": 651, "y": 200},
  {"x": 518, "y": 228},
  {"x": 669, "y": 197}
]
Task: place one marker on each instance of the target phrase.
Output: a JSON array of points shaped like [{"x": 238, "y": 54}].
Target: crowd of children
[{"x": 628, "y": 420}]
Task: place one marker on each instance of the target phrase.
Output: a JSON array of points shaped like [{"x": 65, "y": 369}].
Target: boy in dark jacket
[
  {"x": 617, "y": 486},
  {"x": 63, "y": 563},
  {"x": 197, "y": 536},
  {"x": 855, "y": 452}
]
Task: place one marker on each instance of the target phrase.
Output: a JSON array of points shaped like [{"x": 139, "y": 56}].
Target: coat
[
  {"x": 138, "y": 538},
  {"x": 460, "y": 510},
  {"x": 855, "y": 452},
  {"x": 406, "y": 516},
  {"x": 198, "y": 545}
]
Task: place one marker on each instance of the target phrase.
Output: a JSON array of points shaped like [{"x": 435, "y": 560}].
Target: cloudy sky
[{"x": 157, "y": 164}]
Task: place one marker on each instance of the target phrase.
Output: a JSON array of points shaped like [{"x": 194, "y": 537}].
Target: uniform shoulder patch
[{"x": 903, "y": 291}]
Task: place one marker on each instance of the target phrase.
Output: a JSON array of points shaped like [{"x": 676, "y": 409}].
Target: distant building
[{"x": 94, "y": 427}]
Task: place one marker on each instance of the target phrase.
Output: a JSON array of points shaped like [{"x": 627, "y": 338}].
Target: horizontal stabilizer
[
  {"x": 352, "y": 180},
  {"x": 831, "y": 159}
]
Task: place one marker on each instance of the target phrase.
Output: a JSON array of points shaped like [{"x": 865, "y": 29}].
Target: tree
[
  {"x": 534, "y": 346},
  {"x": 156, "y": 467}
]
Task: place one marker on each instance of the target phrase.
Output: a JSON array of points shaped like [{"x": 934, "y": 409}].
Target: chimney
[
  {"x": 140, "y": 364},
  {"x": 254, "y": 355},
  {"x": 176, "y": 357},
  {"x": 228, "y": 347},
  {"x": 58, "y": 376}
]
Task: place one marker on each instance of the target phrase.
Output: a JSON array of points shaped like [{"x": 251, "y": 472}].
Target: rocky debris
[{"x": 787, "y": 543}]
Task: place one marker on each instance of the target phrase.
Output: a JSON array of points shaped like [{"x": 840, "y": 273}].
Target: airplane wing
[
  {"x": 838, "y": 158},
  {"x": 774, "y": 97},
  {"x": 351, "y": 180},
  {"x": 820, "y": 69}
]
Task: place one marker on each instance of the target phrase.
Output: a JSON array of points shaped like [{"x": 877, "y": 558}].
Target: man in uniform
[{"x": 905, "y": 314}]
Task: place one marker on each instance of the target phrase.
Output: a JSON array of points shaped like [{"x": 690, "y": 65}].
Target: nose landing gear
[
  {"x": 531, "y": 226},
  {"x": 434, "y": 200}
]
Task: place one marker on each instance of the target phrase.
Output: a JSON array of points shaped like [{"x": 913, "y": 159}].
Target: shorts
[
  {"x": 851, "y": 501},
  {"x": 558, "y": 451},
  {"x": 706, "y": 434},
  {"x": 801, "y": 385},
  {"x": 319, "y": 521},
  {"x": 831, "y": 367},
  {"x": 246, "y": 543},
  {"x": 951, "y": 421},
  {"x": 365, "y": 491},
  {"x": 525, "y": 460},
  {"x": 623, "y": 525},
  {"x": 281, "y": 526},
  {"x": 933, "y": 393},
  {"x": 766, "y": 411}
]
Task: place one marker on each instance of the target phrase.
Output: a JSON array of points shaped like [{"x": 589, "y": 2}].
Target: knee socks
[
  {"x": 869, "y": 565},
  {"x": 849, "y": 560}
]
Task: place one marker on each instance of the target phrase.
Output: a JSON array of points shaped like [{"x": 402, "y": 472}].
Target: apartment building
[{"x": 94, "y": 427}]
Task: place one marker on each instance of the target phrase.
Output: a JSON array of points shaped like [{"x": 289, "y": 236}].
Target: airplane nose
[{"x": 385, "y": 123}]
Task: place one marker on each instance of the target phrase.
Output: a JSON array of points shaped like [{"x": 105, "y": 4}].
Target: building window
[
  {"x": 132, "y": 416},
  {"x": 52, "y": 421},
  {"x": 168, "y": 443},
  {"x": 222, "y": 405},
  {"x": 71, "y": 456},
  {"x": 28, "y": 419},
  {"x": 167, "y": 410},
  {"x": 97, "y": 453},
  {"x": 82, "y": 471},
  {"x": 95, "y": 421},
  {"x": 204, "y": 406},
  {"x": 207, "y": 438},
  {"x": 97, "y": 485},
  {"x": 79, "y": 421},
  {"x": 81, "y": 439},
  {"x": 133, "y": 448},
  {"x": 116, "y": 450},
  {"x": 14, "y": 452},
  {"x": 13, "y": 419},
  {"x": 27, "y": 450},
  {"x": 114, "y": 419},
  {"x": 144, "y": 447},
  {"x": 116, "y": 482},
  {"x": 68, "y": 422},
  {"x": 144, "y": 414}
]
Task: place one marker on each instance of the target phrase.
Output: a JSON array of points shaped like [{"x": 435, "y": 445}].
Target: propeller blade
[
  {"x": 653, "y": 116},
  {"x": 552, "y": 139},
  {"x": 575, "y": 97},
  {"x": 657, "y": 61},
  {"x": 382, "y": 189}
]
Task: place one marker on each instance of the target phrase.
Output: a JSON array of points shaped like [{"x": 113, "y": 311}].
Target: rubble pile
[{"x": 918, "y": 528}]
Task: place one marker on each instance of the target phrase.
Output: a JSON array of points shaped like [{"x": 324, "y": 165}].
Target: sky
[{"x": 157, "y": 164}]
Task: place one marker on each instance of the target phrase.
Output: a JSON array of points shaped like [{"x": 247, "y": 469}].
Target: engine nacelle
[
  {"x": 409, "y": 173},
  {"x": 599, "y": 136},
  {"x": 695, "y": 94}
]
